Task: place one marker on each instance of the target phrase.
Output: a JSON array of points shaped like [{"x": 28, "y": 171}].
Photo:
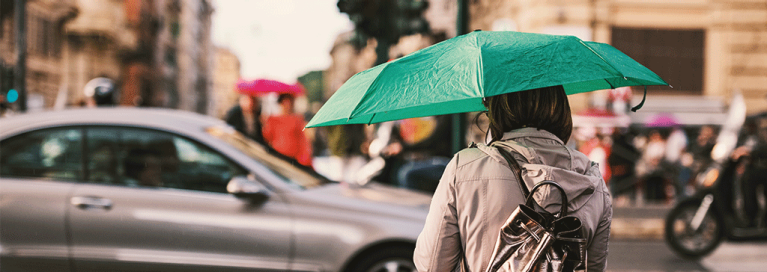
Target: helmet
[{"x": 102, "y": 90}]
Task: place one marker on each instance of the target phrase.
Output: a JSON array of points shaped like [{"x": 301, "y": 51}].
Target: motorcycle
[{"x": 697, "y": 225}]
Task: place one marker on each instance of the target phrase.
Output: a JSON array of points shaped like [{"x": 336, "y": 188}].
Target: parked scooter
[{"x": 698, "y": 224}]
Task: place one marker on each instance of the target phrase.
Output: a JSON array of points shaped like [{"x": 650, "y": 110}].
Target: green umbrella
[{"x": 455, "y": 75}]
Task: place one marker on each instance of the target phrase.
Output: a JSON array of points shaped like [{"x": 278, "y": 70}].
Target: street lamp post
[
  {"x": 19, "y": 80},
  {"x": 459, "y": 120}
]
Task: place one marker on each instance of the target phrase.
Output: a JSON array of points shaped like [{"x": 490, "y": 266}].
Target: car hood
[{"x": 371, "y": 198}]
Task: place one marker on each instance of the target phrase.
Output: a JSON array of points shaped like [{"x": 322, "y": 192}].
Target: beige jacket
[{"x": 478, "y": 192}]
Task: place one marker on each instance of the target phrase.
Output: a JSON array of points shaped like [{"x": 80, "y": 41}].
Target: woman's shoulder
[{"x": 472, "y": 154}]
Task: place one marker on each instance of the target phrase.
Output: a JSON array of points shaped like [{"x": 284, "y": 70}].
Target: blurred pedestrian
[
  {"x": 245, "y": 117},
  {"x": 651, "y": 167},
  {"x": 755, "y": 177},
  {"x": 676, "y": 145},
  {"x": 285, "y": 132},
  {"x": 99, "y": 92},
  {"x": 348, "y": 146},
  {"x": 623, "y": 159},
  {"x": 701, "y": 148},
  {"x": 478, "y": 191},
  {"x": 416, "y": 151},
  {"x": 598, "y": 151}
]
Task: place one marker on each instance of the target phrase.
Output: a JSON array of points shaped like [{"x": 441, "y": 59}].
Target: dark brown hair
[
  {"x": 544, "y": 108},
  {"x": 284, "y": 96}
]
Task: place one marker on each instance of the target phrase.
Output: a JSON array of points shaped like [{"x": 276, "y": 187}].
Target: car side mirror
[{"x": 245, "y": 188}]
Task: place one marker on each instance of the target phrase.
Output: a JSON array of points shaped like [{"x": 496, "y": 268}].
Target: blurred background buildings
[
  {"x": 706, "y": 50},
  {"x": 158, "y": 51},
  {"x": 45, "y": 46},
  {"x": 161, "y": 54}
]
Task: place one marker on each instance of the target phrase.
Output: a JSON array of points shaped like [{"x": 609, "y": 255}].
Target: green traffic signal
[{"x": 12, "y": 96}]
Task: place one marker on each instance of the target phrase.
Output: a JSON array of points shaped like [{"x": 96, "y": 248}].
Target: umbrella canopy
[
  {"x": 265, "y": 86},
  {"x": 453, "y": 76}
]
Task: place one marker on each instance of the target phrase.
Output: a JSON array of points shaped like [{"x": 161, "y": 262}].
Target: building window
[
  {"x": 56, "y": 38},
  {"x": 2, "y": 27},
  {"x": 675, "y": 55}
]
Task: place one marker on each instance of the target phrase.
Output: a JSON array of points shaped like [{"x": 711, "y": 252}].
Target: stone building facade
[
  {"x": 159, "y": 52},
  {"x": 708, "y": 49},
  {"x": 194, "y": 53},
  {"x": 172, "y": 60},
  {"x": 45, "y": 20},
  {"x": 94, "y": 40},
  {"x": 226, "y": 73}
]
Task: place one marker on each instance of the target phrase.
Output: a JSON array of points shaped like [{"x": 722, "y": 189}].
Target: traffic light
[
  {"x": 385, "y": 20},
  {"x": 410, "y": 20}
]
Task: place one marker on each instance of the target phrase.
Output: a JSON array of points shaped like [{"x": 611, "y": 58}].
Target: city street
[{"x": 654, "y": 255}]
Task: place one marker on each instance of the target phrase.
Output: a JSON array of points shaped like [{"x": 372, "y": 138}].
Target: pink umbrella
[
  {"x": 264, "y": 86},
  {"x": 662, "y": 120}
]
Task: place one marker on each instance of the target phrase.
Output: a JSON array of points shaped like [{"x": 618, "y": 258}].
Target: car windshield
[{"x": 295, "y": 175}]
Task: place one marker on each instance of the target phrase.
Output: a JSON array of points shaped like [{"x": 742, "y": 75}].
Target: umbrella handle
[{"x": 635, "y": 108}]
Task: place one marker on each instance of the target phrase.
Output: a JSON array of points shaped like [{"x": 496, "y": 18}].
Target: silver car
[{"x": 124, "y": 189}]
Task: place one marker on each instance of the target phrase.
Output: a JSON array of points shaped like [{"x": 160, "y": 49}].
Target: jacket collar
[{"x": 530, "y": 132}]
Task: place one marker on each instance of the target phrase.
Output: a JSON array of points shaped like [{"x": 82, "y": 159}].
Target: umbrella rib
[
  {"x": 371, "y": 118},
  {"x": 608, "y": 83},
  {"x": 367, "y": 90},
  {"x": 602, "y": 58}
]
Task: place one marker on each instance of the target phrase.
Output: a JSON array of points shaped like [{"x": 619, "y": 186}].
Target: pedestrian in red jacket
[{"x": 285, "y": 133}]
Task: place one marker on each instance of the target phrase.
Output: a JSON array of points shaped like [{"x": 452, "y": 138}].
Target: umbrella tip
[{"x": 670, "y": 86}]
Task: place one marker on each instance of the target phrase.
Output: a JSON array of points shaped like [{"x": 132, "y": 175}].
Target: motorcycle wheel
[{"x": 689, "y": 243}]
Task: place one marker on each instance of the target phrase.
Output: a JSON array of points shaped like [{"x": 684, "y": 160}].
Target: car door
[
  {"x": 126, "y": 221},
  {"x": 38, "y": 171}
]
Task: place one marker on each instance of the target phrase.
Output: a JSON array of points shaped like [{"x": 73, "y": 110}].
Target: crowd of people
[
  {"x": 413, "y": 149},
  {"x": 283, "y": 132},
  {"x": 650, "y": 163},
  {"x": 641, "y": 164}
]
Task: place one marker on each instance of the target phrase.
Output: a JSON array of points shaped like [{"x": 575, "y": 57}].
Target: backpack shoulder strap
[
  {"x": 516, "y": 168},
  {"x": 510, "y": 160}
]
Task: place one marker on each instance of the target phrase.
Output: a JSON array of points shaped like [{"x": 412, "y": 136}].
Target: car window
[
  {"x": 47, "y": 154},
  {"x": 147, "y": 158},
  {"x": 102, "y": 155},
  {"x": 295, "y": 175}
]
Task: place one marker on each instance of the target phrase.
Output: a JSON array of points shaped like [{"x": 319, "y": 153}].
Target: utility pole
[
  {"x": 21, "y": 53},
  {"x": 459, "y": 119}
]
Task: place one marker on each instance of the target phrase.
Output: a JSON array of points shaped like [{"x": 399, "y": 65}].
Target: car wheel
[{"x": 391, "y": 259}]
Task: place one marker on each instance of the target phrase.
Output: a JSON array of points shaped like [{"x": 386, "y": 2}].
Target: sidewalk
[{"x": 639, "y": 223}]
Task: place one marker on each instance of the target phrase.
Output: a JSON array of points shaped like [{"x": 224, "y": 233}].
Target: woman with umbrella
[
  {"x": 478, "y": 191},
  {"x": 245, "y": 117},
  {"x": 522, "y": 80}
]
